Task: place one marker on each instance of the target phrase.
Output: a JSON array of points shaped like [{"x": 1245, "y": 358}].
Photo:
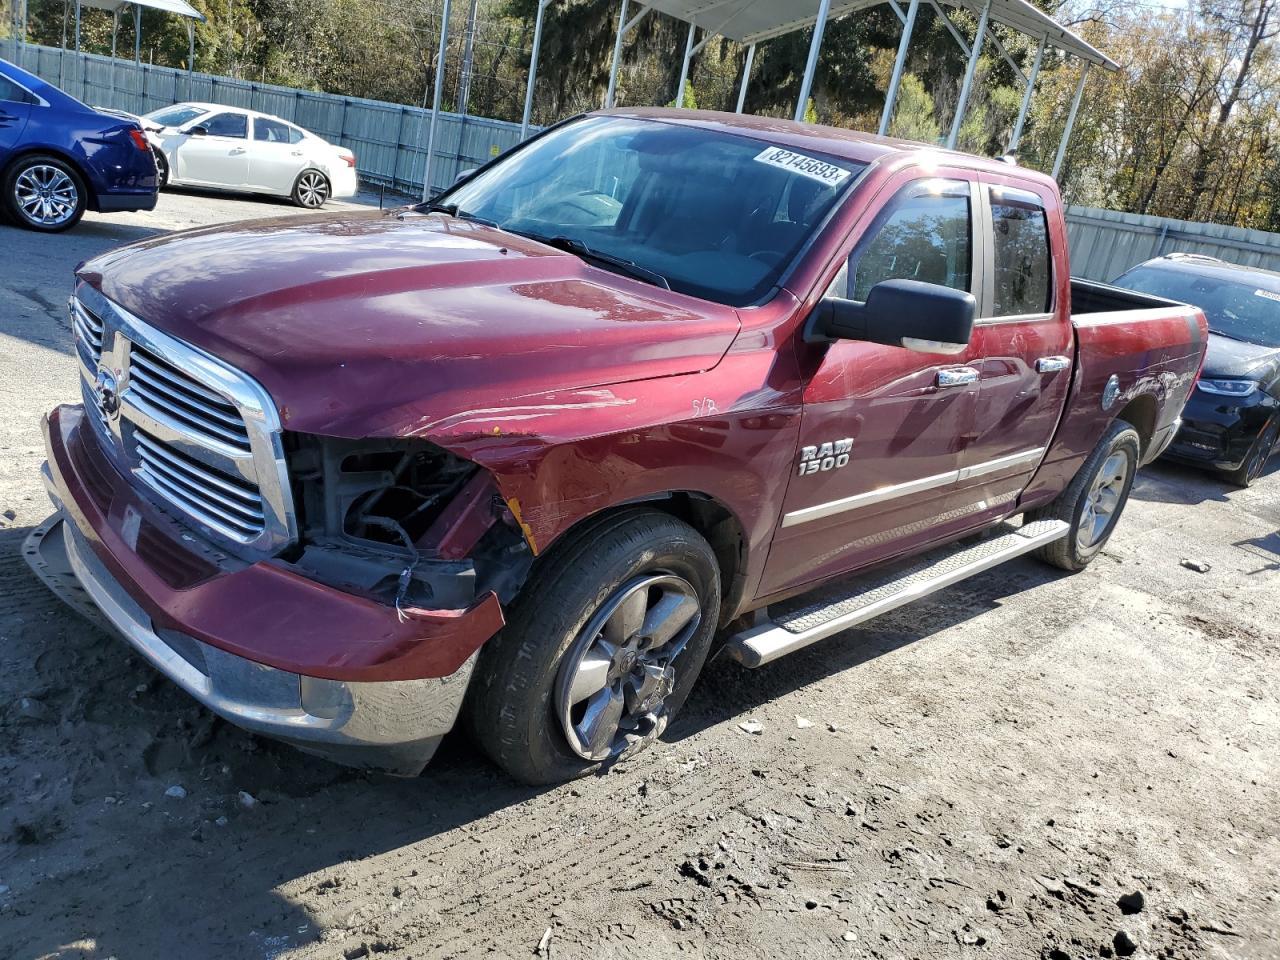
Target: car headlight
[{"x": 1228, "y": 388}]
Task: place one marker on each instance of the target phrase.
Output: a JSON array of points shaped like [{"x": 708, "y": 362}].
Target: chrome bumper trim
[{"x": 394, "y": 726}]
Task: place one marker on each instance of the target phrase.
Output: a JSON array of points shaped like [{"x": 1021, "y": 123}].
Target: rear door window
[
  {"x": 270, "y": 131},
  {"x": 925, "y": 233},
  {"x": 13, "y": 93},
  {"x": 227, "y": 125},
  {"x": 1022, "y": 267}
]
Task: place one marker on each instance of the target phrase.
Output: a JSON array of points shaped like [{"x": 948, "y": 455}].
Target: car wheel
[
  {"x": 1094, "y": 500},
  {"x": 162, "y": 170},
  {"x": 311, "y": 189},
  {"x": 600, "y": 651},
  {"x": 44, "y": 193},
  {"x": 1259, "y": 453}
]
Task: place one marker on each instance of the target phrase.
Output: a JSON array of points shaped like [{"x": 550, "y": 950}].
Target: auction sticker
[
  {"x": 1261, "y": 293},
  {"x": 811, "y": 167}
]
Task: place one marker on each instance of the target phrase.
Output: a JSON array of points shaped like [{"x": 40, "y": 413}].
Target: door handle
[
  {"x": 1052, "y": 364},
  {"x": 957, "y": 377},
  {"x": 296, "y": 153},
  {"x": 237, "y": 151}
]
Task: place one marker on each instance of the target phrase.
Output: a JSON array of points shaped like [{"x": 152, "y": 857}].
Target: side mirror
[
  {"x": 198, "y": 131},
  {"x": 926, "y": 317},
  {"x": 463, "y": 174}
]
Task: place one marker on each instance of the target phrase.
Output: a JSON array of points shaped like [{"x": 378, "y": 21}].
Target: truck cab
[{"x": 655, "y": 381}]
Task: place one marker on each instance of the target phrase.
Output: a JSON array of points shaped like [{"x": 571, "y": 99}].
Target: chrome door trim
[
  {"x": 956, "y": 377},
  {"x": 856, "y": 502}
]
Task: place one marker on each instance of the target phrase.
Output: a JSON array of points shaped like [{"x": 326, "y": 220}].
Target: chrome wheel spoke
[
  {"x": 627, "y": 619},
  {"x": 600, "y": 723},
  {"x": 665, "y": 619},
  {"x": 591, "y": 677}
]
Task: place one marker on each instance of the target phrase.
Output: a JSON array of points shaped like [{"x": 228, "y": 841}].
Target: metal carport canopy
[
  {"x": 750, "y": 21},
  {"x": 179, "y": 7}
]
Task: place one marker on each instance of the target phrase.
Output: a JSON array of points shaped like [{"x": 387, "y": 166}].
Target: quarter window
[
  {"x": 227, "y": 125},
  {"x": 1020, "y": 248},
  {"x": 924, "y": 234},
  {"x": 13, "y": 93}
]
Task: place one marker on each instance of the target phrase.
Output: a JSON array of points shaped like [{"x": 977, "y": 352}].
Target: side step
[{"x": 808, "y": 618}]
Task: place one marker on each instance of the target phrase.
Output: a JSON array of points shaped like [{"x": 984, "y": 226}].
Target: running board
[{"x": 808, "y": 618}]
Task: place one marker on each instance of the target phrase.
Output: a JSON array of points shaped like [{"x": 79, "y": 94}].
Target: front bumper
[
  {"x": 1219, "y": 431},
  {"x": 351, "y": 680}
]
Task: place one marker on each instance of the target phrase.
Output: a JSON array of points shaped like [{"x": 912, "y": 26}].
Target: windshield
[
  {"x": 175, "y": 116},
  {"x": 1234, "y": 308},
  {"x": 714, "y": 215}
]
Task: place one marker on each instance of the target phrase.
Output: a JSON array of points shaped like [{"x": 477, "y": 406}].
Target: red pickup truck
[{"x": 520, "y": 456}]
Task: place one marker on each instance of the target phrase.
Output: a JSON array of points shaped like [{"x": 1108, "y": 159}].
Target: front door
[
  {"x": 1024, "y": 345},
  {"x": 883, "y": 428},
  {"x": 220, "y": 157}
]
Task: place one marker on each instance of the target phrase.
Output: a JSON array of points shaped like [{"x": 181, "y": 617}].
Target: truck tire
[
  {"x": 1093, "y": 500},
  {"x": 601, "y": 649}
]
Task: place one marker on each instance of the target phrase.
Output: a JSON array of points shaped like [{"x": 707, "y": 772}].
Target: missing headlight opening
[{"x": 404, "y": 521}]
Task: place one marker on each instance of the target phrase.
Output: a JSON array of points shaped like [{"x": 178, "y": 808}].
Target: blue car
[{"x": 59, "y": 158}]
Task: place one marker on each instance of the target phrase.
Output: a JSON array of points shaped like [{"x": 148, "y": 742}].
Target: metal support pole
[
  {"x": 77, "y": 26},
  {"x": 684, "y": 66},
  {"x": 746, "y": 75},
  {"x": 811, "y": 66},
  {"x": 899, "y": 64},
  {"x": 970, "y": 72},
  {"x": 468, "y": 54},
  {"x": 533, "y": 70},
  {"x": 624, "y": 27},
  {"x": 1071, "y": 120},
  {"x": 435, "y": 100},
  {"x": 137, "y": 35},
  {"x": 115, "y": 30},
  {"x": 1026, "y": 97}
]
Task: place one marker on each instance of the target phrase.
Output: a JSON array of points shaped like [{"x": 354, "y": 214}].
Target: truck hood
[
  {"x": 1235, "y": 358},
  {"x": 380, "y": 325}
]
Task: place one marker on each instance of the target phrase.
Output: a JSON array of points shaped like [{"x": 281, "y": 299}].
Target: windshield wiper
[
  {"x": 451, "y": 210},
  {"x": 621, "y": 264}
]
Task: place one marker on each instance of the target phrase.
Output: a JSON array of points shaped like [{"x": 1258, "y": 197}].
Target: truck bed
[{"x": 1090, "y": 296}]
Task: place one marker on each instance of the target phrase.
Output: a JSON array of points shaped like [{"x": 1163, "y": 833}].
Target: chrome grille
[
  {"x": 214, "y": 498},
  {"x": 199, "y": 437},
  {"x": 173, "y": 394},
  {"x": 89, "y": 330}
]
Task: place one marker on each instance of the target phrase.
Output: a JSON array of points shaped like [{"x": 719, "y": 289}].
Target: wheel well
[
  {"x": 721, "y": 528},
  {"x": 1141, "y": 412},
  {"x": 91, "y": 195}
]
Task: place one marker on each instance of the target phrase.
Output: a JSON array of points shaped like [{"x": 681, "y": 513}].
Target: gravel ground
[{"x": 1027, "y": 765}]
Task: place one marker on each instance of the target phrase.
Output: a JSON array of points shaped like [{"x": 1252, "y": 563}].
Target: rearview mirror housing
[{"x": 926, "y": 317}]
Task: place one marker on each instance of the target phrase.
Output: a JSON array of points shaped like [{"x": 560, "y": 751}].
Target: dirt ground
[{"x": 1027, "y": 765}]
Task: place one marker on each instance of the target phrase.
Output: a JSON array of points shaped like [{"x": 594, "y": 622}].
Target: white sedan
[{"x": 228, "y": 148}]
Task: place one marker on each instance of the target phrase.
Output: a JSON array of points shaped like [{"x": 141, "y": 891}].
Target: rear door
[
  {"x": 883, "y": 428},
  {"x": 220, "y": 157},
  {"x": 275, "y": 158},
  {"x": 1023, "y": 342},
  {"x": 15, "y": 108}
]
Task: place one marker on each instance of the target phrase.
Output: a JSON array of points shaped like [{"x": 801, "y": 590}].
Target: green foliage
[
  {"x": 689, "y": 101},
  {"x": 810, "y": 111},
  {"x": 914, "y": 117}
]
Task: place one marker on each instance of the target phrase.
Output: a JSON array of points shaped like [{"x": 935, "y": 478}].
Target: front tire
[
  {"x": 601, "y": 650},
  {"x": 44, "y": 193},
  {"x": 311, "y": 190},
  {"x": 1259, "y": 453},
  {"x": 1094, "y": 500},
  {"x": 162, "y": 170}
]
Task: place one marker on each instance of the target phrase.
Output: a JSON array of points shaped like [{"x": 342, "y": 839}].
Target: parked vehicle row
[
  {"x": 59, "y": 158},
  {"x": 522, "y": 454}
]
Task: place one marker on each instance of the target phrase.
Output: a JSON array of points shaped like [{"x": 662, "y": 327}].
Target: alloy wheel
[
  {"x": 45, "y": 195},
  {"x": 1261, "y": 451},
  {"x": 1105, "y": 496},
  {"x": 613, "y": 683},
  {"x": 313, "y": 189}
]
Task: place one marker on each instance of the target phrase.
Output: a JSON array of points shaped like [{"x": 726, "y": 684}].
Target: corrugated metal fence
[
  {"x": 1106, "y": 243},
  {"x": 389, "y": 140}
]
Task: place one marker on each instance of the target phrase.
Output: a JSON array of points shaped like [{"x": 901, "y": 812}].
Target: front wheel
[
  {"x": 601, "y": 650},
  {"x": 1094, "y": 500},
  {"x": 311, "y": 189},
  {"x": 1259, "y": 453},
  {"x": 44, "y": 193}
]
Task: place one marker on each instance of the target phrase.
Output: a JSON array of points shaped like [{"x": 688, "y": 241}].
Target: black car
[{"x": 1232, "y": 420}]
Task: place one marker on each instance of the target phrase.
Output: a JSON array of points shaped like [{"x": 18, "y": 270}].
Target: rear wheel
[
  {"x": 44, "y": 193},
  {"x": 1094, "y": 500},
  {"x": 601, "y": 650},
  {"x": 1256, "y": 460},
  {"x": 311, "y": 189}
]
